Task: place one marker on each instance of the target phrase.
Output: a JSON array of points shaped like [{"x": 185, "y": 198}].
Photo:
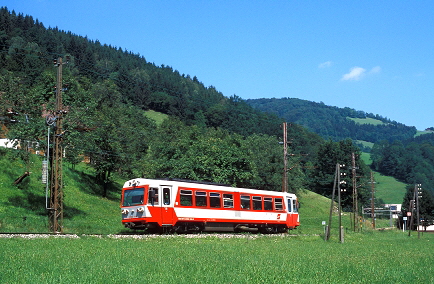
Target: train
[{"x": 180, "y": 206}]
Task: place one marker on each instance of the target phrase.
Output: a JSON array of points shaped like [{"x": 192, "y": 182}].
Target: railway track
[{"x": 137, "y": 236}]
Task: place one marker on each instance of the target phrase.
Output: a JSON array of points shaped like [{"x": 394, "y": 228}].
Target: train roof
[{"x": 202, "y": 185}]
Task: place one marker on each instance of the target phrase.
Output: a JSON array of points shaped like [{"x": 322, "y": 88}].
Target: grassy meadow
[
  {"x": 390, "y": 190},
  {"x": 367, "y": 120},
  {"x": 369, "y": 257}
]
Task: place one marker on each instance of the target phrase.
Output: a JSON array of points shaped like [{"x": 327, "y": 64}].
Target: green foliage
[
  {"x": 411, "y": 163},
  {"x": 333, "y": 122},
  {"x": 105, "y": 93},
  {"x": 332, "y": 153},
  {"x": 200, "y": 154},
  {"x": 426, "y": 204}
]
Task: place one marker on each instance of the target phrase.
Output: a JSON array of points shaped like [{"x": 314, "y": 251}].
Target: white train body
[{"x": 181, "y": 206}]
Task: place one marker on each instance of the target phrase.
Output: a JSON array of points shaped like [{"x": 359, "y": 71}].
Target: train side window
[
  {"x": 186, "y": 197},
  {"x": 153, "y": 196},
  {"x": 257, "y": 203},
  {"x": 245, "y": 202},
  {"x": 201, "y": 199},
  {"x": 294, "y": 206},
  {"x": 228, "y": 200},
  {"x": 268, "y": 203},
  {"x": 214, "y": 199},
  {"x": 278, "y": 205}
]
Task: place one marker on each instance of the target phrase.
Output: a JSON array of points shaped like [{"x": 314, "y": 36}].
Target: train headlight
[
  {"x": 141, "y": 209},
  {"x": 125, "y": 211}
]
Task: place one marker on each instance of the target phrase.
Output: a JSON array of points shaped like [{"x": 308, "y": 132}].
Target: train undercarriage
[{"x": 197, "y": 227}]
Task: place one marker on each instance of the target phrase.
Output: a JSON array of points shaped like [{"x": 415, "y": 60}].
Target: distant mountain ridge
[{"x": 333, "y": 122}]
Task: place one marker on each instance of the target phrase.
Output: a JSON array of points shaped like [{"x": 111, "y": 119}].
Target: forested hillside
[
  {"x": 411, "y": 161},
  {"x": 106, "y": 92},
  {"x": 207, "y": 136},
  {"x": 333, "y": 122}
]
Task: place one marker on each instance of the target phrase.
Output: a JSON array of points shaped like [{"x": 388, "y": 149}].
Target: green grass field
[
  {"x": 374, "y": 257},
  {"x": 390, "y": 190},
  {"x": 158, "y": 117},
  {"x": 367, "y": 120},
  {"x": 421, "y": 132}
]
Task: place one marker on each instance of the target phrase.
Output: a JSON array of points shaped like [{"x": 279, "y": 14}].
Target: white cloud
[
  {"x": 376, "y": 69},
  {"x": 325, "y": 64},
  {"x": 355, "y": 74}
]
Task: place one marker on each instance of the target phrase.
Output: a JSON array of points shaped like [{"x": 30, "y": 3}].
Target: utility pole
[
  {"x": 329, "y": 225},
  {"x": 336, "y": 186},
  {"x": 418, "y": 187},
  {"x": 372, "y": 200},
  {"x": 355, "y": 205},
  {"x": 285, "y": 158},
  {"x": 412, "y": 205},
  {"x": 341, "y": 231},
  {"x": 56, "y": 184}
]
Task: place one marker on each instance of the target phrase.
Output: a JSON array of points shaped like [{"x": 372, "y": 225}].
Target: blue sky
[{"x": 375, "y": 56}]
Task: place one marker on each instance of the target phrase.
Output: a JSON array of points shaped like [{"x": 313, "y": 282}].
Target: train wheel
[{"x": 266, "y": 230}]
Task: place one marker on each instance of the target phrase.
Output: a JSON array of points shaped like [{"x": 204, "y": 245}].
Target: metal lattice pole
[{"x": 56, "y": 185}]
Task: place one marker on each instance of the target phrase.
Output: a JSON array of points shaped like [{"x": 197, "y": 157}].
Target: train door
[
  {"x": 292, "y": 220},
  {"x": 166, "y": 205}
]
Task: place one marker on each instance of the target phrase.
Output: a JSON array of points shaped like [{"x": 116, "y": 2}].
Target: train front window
[{"x": 133, "y": 196}]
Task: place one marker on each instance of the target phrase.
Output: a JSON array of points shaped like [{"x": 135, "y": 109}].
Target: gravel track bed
[{"x": 138, "y": 236}]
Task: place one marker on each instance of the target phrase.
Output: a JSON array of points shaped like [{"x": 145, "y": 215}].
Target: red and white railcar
[{"x": 184, "y": 206}]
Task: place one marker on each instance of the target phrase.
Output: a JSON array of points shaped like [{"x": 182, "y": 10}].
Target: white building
[
  {"x": 395, "y": 209},
  {"x": 8, "y": 143}
]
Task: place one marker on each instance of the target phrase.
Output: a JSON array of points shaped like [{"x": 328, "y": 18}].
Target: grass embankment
[
  {"x": 389, "y": 189},
  {"x": 374, "y": 257},
  {"x": 22, "y": 206},
  {"x": 367, "y": 120},
  {"x": 422, "y": 132},
  {"x": 158, "y": 117}
]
